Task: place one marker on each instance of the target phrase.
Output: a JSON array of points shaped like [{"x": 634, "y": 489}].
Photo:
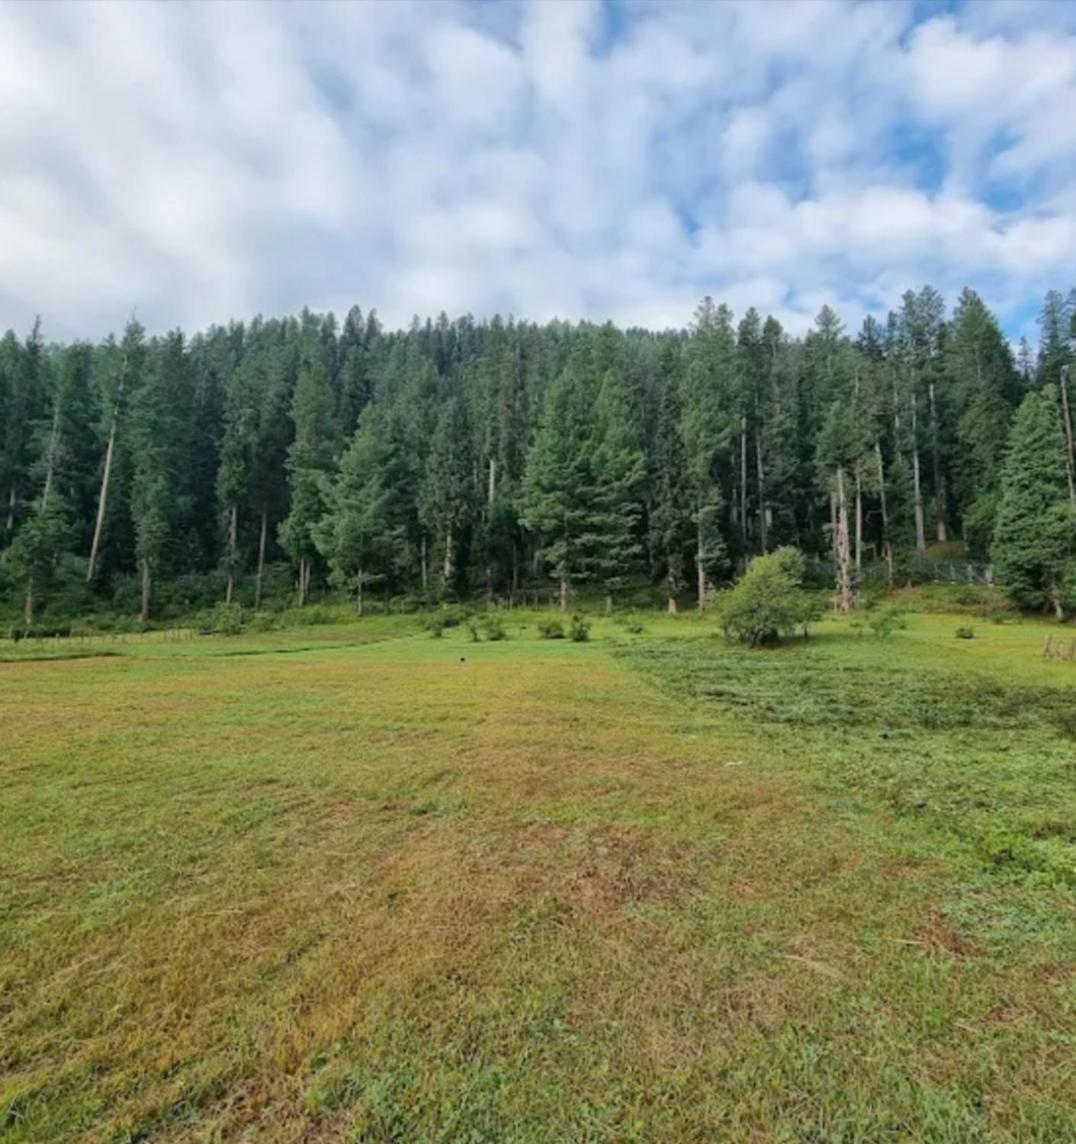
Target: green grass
[{"x": 354, "y": 882}]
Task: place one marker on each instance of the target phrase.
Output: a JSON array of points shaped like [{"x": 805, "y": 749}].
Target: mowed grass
[{"x": 363, "y": 884}]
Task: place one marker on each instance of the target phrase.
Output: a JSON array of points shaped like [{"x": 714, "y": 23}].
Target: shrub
[
  {"x": 768, "y": 602},
  {"x": 472, "y": 628},
  {"x": 228, "y": 619},
  {"x": 883, "y": 622},
  {"x": 494, "y": 628},
  {"x": 551, "y": 630},
  {"x": 965, "y": 633},
  {"x": 579, "y": 629},
  {"x": 436, "y": 628}
]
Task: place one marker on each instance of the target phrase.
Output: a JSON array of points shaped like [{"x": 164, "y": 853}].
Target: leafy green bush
[
  {"x": 881, "y": 622},
  {"x": 551, "y": 630},
  {"x": 494, "y": 628},
  {"x": 965, "y": 633},
  {"x": 263, "y": 622},
  {"x": 579, "y": 629},
  {"x": 768, "y": 601},
  {"x": 436, "y": 627},
  {"x": 228, "y": 619}
]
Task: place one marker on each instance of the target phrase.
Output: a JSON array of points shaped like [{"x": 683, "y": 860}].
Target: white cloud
[{"x": 210, "y": 160}]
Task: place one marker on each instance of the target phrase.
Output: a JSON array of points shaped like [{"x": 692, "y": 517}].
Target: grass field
[{"x": 357, "y": 883}]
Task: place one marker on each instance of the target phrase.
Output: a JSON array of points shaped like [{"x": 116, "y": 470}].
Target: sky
[{"x": 196, "y": 163}]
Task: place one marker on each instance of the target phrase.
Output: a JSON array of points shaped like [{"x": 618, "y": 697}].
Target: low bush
[
  {"x": 494, "y": 628},
  {"x": 579, "y": 629},
  {"x": 551, "y": 630},
  {"x": 965, "y": 633}
]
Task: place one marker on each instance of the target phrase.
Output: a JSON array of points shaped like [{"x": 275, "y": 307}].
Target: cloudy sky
[{"x": 603, "y": 160}]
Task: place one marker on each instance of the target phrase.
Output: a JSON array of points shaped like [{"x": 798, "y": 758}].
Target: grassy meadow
[{"x": 355, "y": 883}]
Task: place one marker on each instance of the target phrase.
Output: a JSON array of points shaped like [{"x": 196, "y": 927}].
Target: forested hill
[{"x": 461, "y": 456}]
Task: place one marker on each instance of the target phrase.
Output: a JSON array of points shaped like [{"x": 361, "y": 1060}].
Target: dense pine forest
[{"x": 275, "y": 461}]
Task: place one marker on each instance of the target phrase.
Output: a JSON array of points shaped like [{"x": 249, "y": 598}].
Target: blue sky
[{"x": 618, "y": 160}]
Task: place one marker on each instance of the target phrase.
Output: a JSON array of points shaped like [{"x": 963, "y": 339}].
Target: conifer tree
[
  {"x": 1035, "y": 535},
  {"x": 362, "y": 532},
  {"x": 309, "y": 462},
  {"x": 618, "y": 474},
  {"x": 706, "y": 427},
  {"x": 156, "y": 426}
]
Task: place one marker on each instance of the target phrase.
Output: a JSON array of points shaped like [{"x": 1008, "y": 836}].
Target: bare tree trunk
[
  {"x": 447, "y": 570},
  {"x": 358, "y": 597},
  {"x": 233, "y": 544},
  {"x": 1070, "y": 442},
  {"x": 492, "y": 492},
  {"x": 700, "y": 572},
  {"x": 261, "y": 564},
  {"x": 302, "y": 581},
  {"x": 102, "y": 500},
  {"x": 11, "y": 508},
  {"x": 143, "y": 615},
  {"x": 672, "y": 608},
  {"x": 762, "y": 508},
  {"x": 859, "y": 519},
  {"x": 845, "y": 597},
  {"x": 563, "y": 593},
  {"x": 743, "y": 478},
  {"x": 425, "y": 568},
  {"x": 920, "y": 527},
  {"x": 940, "y": 497},
  {"x": 28, "y": 605},
  {"x": 887, "y": 544},
  {"x": 833, "y": 523}
]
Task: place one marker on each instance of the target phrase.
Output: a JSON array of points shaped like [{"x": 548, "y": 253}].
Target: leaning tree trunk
[
  {"x": 261, "y": 564},
  {"x": 102, "y": 501},
  {"x": 1070, "y": 443}
]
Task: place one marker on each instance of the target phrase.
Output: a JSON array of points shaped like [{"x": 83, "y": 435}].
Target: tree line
[{"x": 462, "y": 457}]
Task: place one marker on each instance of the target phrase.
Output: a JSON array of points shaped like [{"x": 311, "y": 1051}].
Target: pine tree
[
  {"x": 706, "y": 427},
  {"x": 557, "y": 490},
  {"x": 362, "y": 532},
  {"x": 447, "y": 492},
  {"x": 618, "y": 473},
  {"x": 1035, "y": 533},
  {"x": 309, "y": 462},
  {"x": 669, "y": 512},
  {"x": 157, "y": 504}
]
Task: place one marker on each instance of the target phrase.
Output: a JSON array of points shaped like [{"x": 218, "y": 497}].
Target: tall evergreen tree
[
  {"x": 1035, "y": 535},
  {"x": 309, "y": 462}
]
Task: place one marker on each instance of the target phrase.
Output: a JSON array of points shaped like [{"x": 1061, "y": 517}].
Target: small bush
[
  {"x": 883, "y": 622},
  {"x": 768, "y": 602},
  {"x": 965, "y": 633},
  {"x": 473, "y": 630},
  {"x": 494, "y": 628},
  {"x": 228, "y": 619},
  {"x": 579, "y": 629},
  {"x": 551, "y": 630},
  {"x": 436, "y": 628},
  {"x": 263, "y": 622}
]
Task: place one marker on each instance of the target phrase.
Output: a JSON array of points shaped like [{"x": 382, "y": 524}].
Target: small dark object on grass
[
  {"x": 463, "y": 659},
  {"x": 965, "y": 633}
]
